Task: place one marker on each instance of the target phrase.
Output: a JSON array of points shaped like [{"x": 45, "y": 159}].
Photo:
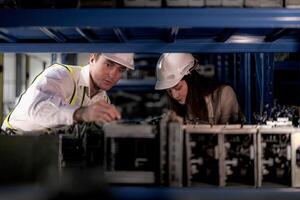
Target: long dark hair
[{"x": 198, "y": 87}]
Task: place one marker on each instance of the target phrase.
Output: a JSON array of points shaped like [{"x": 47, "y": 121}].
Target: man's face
[{"x": 105, "y": 73}]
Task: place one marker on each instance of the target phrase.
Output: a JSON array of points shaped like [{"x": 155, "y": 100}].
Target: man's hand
[{"x": 99, "y": 112}]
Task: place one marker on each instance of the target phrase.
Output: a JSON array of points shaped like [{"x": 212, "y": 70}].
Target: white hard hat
[
  {"x": 171, "y": 67},
  {"x": 125, "y": 59}
]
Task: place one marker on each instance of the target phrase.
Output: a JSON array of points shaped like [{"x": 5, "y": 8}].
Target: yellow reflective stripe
[
  {"x": 6, "y": 121},
  {"x": 73, "y": 98}
]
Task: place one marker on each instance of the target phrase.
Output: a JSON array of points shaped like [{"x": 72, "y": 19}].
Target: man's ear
[{"x": 92, "y": 58}]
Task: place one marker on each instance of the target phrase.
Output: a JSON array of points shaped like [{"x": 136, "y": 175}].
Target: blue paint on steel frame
[
  {"x": 150, "y": 47},
  {"x": 152, "y": 17}
]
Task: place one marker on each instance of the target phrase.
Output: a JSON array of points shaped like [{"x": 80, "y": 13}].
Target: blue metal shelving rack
[
  {"x": 154, "y": 30},
  {"x": 158, "y": 30}
]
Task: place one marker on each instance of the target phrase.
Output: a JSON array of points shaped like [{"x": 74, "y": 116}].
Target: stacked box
[
  {"x": 232, "y": 3},
  {"x": 196, "y": 3},
  {"x": 177, "y": 3},
  {"x": 252, "y": 3},
  {"x": 92, "y": 3},
  {"x": 213, "y": 3},
  {"x": 271, "y": 3},
  {"x": 142, "y": 3},
  {"x": 134, "y": 3},
  {"x": 292, "y": 3},
  {"x": 264, "y": 3},
  {"x": 152, "y": 3}
]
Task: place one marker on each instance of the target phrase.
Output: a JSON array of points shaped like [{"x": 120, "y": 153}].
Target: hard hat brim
[
  {"x": 163, "y": 85},
  {"x": 117, "y": 60}
]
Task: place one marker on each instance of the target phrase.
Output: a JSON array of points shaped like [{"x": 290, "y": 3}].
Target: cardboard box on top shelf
[
  {"x": 93, "y": 3},
  {"x": 264, "y": 3},
  {"x": 134, "y": 3},
  {"x": 233, "y": 3},
  {"x": 196, "y": 3},
  {"x": 271, "y": 3},
  {"x": 153, "y": 3},
  {"x": 213, "y": 3},
  {"x": 177, "y": 3},
  {"x": 292, "y": 3}
]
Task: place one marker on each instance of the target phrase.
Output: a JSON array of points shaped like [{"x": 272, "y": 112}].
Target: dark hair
[{"x": 198, "y": 87}]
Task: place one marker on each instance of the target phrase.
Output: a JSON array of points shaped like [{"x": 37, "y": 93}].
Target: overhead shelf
[{"x": 150, "y": 30}]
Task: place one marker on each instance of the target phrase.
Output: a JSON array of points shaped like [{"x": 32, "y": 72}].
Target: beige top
[{"x": 223, "y": 107}]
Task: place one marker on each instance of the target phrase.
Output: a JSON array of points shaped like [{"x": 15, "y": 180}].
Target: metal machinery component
[
  {"x": 131, "y": 152},
  {"x": 202, "y": 148},
  {"x": 278, "y": 157},
  {"x": 238, "y": 151},
  {"x": 128, "y": 152},
  {"x": 222, "y": 155},
  {"x": 171, "y": 150},
  {"x": 80, "y": 147},
  {"x": 149, "y": 153},
  {"x": 235, "y": 155},
  {"x": 167, "y": 153},
  {"x": 175, "y": 154},
  {"x": 274, "y": 111}
]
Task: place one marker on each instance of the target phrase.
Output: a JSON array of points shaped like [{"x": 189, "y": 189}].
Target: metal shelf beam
[
  {"x": 151, "y": 47},
  {"x": 152, "y": 17}
]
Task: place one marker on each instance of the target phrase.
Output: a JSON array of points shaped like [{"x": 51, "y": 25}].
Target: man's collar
[{"x": 84, "y": 80}]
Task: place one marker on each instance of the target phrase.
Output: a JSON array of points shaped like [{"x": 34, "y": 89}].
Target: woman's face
[{"x": 179, "y": 92}]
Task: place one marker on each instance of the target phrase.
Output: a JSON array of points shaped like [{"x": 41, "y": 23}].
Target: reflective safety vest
[{"x": 72, "y": 100}]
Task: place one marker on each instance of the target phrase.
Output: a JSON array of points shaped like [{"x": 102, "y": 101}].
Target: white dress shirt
[{"x": 46, "y": 103}]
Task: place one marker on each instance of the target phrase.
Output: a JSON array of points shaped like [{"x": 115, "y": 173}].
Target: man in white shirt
[{"x": 63, "y": 95}]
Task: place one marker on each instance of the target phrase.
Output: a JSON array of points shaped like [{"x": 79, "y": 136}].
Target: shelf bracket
[
  {"x": 55, "y": 35},
  {"x": 173, "y": 34},
  {"x": 276, "y": 34},
  {"x": 7, "y": 37},
  {"x": 120, "y": 35},
  {"x": 88, "y": 34},
  {"x": 225, "y": 34}
]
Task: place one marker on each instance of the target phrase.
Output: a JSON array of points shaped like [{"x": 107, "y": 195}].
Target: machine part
[
  {"x": 117, "y": 130},
  {"x": 239, "y": 155},
  {"x": 202, "y": 155},
  {"x": 81, "y": 147},
  {"x": 277, "y": 157},
  {"x": 163, "y": 149},
  {"x": 273, "y": 114},
  {"x": 131, "y": 152},
  {"x": 175, "y": 154},
  {"x": 295, "y": 158},
  {"x": 130, "y": 177}
]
